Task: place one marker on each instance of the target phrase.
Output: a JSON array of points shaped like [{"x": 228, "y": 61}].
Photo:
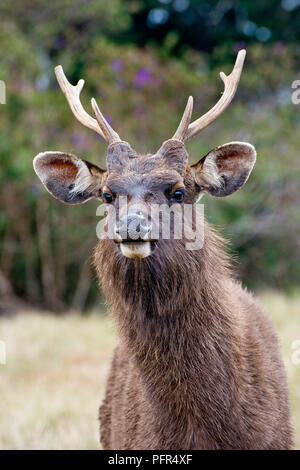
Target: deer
[{"x": 198, "y": 364}]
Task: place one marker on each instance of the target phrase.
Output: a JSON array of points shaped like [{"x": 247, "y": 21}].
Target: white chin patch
[{"x": 136, "y": 250}]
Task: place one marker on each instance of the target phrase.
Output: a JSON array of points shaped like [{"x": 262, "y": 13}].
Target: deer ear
[
  {"x": 225, "y": 169},
  {"x": 68, "y": 178}
]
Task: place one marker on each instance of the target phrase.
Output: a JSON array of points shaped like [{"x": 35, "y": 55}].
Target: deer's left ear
[
  {"x": 225, "y": 169},
  {"x": 69, "y": 178}
]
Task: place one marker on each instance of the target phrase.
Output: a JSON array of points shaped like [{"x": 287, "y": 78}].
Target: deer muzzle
[{"x": 132, "y": 232}]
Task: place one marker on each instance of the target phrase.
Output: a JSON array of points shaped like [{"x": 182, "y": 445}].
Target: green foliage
[
  {"x": 204, "y": 25},
  {"x": 45, "y": 247}
]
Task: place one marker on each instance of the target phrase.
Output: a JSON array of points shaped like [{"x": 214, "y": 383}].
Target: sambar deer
[{"x": 198, "y": 365}]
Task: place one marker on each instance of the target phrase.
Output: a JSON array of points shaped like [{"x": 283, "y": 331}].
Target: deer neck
[{"x": 177, "y": 319}]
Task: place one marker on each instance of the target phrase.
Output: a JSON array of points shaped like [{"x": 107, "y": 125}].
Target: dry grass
[
  {"x": 285, "y": 313},
  {"x": 56, "y": 368},
  {"x": 54, "y": 379}
]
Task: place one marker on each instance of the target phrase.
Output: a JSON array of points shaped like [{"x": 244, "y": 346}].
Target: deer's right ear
[{"x": 68, "y": 178}]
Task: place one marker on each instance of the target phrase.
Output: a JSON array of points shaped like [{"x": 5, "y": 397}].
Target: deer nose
[{"x": 133, "y": 227}]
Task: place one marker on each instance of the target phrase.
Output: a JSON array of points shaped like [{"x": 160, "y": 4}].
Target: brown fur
[{"x": 198, "y": 365}]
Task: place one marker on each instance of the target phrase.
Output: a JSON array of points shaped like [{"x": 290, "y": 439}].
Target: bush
[{"x": 45, "y": 246}]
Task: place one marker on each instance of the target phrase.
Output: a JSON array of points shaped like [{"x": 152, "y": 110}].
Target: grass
[{"x": 54, "y": 379}]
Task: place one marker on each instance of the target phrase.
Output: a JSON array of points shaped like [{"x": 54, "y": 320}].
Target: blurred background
[{"x": 141, "y": 59}]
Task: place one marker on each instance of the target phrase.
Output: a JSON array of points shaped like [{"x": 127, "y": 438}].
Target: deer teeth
[{"x": 137, "y": 250}]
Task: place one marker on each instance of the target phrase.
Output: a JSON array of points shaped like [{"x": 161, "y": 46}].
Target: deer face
[
  {"x": 137, "y": 184},
  {"x": 133, "y": 184}
]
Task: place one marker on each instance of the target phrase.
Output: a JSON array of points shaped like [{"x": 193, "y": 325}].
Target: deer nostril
[{"x": 133, "y": 227}]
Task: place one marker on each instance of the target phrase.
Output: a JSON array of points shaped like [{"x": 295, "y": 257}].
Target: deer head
[{"x": 161, "y": 178}]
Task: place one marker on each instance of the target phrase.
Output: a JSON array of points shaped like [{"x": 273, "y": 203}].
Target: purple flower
[
  {"x": 279, "y": 48},
  {"x": 120, "y": 83},
  {"x": 140, "y": 111},
  {"x": 240, "y": 45},
  {"x": 117, "y": 65},
  {"x": 81, "y": 141},
  {"x": 78, "y": 139},
  {"x": 141, "y": 78},
  {"x": 59, "y": 42},
  {"x": 52, "y": 131}
]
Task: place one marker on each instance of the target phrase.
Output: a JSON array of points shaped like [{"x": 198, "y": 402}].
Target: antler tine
[
  {"x": 72, "y": 94},
  {"x": 230, "y": 86},
  {"x": 109, "y": 134},
  {"x": 180, "y": 134}
]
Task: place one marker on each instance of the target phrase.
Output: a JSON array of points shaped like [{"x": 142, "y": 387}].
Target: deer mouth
[{"x": 136, "y": 249}]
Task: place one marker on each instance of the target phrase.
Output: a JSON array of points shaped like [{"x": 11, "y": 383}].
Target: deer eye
[
  {"x": 178, "y": 195},
  {"x": 107, "y": 197}
]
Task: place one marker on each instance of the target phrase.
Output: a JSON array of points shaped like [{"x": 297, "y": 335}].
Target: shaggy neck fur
[{"x": 178, "y": 317}]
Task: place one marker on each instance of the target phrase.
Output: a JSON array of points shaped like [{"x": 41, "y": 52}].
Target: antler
[
  {"x": 185, "y": 130},
  {"x": 72, "y": 93},
  {"x": 183, "y": 127}
]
